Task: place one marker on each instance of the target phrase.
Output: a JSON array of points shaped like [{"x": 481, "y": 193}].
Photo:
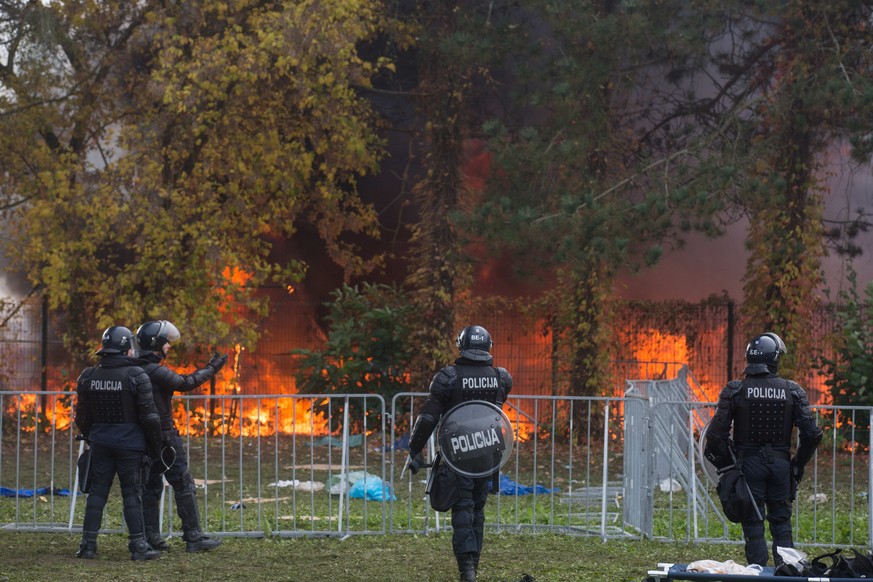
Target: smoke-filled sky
[{"x": 711, "y": 266}]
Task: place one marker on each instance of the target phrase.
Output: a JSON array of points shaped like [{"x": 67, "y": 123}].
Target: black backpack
[{"x": 836, "y": 565}]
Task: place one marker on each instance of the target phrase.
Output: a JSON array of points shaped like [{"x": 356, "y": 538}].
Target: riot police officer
[
  {"x": 115, "y": 411},
  {"x": 763, "y": 409},
  {"x": 471, "y": 377},
  {"x": 154, "y": 339}
]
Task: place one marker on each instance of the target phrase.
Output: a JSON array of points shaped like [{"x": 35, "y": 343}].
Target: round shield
[
  {"x": 475, "y": 438},
  {"x": 708, "y": 468},
  {"x": 707, "y": 465}
]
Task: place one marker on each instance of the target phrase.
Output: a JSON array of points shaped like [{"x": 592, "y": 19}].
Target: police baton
[{"x": 406, "y": 466}]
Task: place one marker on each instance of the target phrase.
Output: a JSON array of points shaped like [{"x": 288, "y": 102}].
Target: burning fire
[
  {"x": 662, "y": 347},
  {"x": 252, "y": 417},
  {"x": 36, "y": 410}
]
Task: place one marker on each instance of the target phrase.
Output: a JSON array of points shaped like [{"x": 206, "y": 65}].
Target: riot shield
[
  {"x": 475, "y": 438},
  {"x": 84, "y": 468},
  {"x": 711, "y": 470}
]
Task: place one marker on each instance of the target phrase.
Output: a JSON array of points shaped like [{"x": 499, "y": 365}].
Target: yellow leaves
[{"x": 234, "y": 128}]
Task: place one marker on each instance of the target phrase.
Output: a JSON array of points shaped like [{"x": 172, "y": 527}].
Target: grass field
[
  {"x": 26, "y": 557},
  {"x": 245, "y": 466}
]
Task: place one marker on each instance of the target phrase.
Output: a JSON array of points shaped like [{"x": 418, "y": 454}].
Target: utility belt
[{"x": 765, "y": 451}]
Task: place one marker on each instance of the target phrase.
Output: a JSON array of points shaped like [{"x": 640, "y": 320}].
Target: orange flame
[
  {"x": 253, "y": 417},
  {"x": 34, "y": 411}
]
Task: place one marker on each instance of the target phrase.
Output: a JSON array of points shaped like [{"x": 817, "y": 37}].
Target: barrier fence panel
[
  {"x": 285, "y": 465},
  {"x": 553, "y": 481},
  {"x": 330, "y": 465}
]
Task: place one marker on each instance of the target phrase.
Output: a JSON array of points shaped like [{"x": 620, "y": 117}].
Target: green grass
[{"x": 506, "y": 558}]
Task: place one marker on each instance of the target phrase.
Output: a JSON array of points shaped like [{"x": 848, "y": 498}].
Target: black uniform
[
  {"x": 116, "y": 412},
  {"x": 165, "y": 382},
  {"x": 763, "y": 409},
  {"x": 472, "y": 377}
]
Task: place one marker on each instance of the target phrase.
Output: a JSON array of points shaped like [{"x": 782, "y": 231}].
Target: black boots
[
  {"x": 156, "y": 541},
  {"x": 151, "y": 521},
  {"x": 467, "y": 567},
  {"x": 87, "y": 549},
  {"x": 195, "y": 541},
  {"x": 141, "y": 550}
]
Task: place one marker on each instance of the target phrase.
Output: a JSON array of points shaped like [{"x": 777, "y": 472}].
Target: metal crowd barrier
[{"x": 330, "y": 465}]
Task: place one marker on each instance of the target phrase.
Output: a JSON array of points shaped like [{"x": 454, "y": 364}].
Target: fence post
[
  {"x": 605, "y": 477},
  {"x": 75, "y": 488},
  {"x": 870, "y": 485},
  {"x": 344, "y": 462},
  {"x": 730, "y": 341}
]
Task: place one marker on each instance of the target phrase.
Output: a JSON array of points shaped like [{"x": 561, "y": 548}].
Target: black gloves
[
  {"x": 153, "y": 455},
  {"x": 416, "y": 462},
  {"x": 217, "y": 362},
  {"x": 796, "y": 471}
]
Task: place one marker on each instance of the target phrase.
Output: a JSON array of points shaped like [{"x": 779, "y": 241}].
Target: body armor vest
[
  {"x": 477, "y": 383},
  {"x": 764, "y": 412},
  {"x": 110, "y": 391},
  {"x": 163, "y": 397}
]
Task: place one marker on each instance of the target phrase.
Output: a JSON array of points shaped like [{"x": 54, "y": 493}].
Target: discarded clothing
[
  {"x": 355, "y": 440},
  {"x": 728, "y": 567},
  {"x": 299, "y": 485},
  {"x": 338, "y": 484},
  {"x": 402, "y": 443}
]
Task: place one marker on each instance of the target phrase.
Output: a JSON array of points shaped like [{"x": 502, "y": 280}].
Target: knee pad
[
  {"x": 181, "y": 482},
  {"x": 95, "y": 501},
  {"x": 781, "y": 530},
  {"x": 132, "y": 490},
  {"x": 753, "y": 531}
]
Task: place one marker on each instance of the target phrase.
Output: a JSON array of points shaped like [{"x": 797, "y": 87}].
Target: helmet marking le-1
[
  {"x": 116, "y": 340},
  {"x": 765, "y": 349}
]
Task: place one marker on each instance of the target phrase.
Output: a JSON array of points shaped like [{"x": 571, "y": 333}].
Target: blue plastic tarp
[
  {"x": 371, "y": 488},
  {"x": 510, "y": 487},
  {"x": 6, "y": 492}
]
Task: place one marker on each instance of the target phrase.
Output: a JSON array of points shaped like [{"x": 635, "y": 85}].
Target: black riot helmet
[
  {"x": 116, "y": 340},
  {"x": 762, "y": 353},
  {"x": 152, "y": 335},
  {"x": 473, "y": 341}
]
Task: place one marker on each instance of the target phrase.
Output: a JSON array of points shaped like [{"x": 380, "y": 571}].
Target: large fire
[
  {"x": 252, "y": 417},
  {"x": 228, "y": 406},
  {"x": 234, "y": 414},
  {"x": 29, "y": 411}
]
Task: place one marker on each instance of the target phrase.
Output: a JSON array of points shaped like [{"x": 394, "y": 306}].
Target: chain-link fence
[{"x": 652, "y": 340}]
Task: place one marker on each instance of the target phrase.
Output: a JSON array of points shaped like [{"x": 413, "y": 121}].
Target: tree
[
  {"x": 850, "y": 370},
  {"x": 641, "y": 122},
  {"x": 154, "y": 151},
  {"x": 368, "y": 348},
  {"x": 581, "y": 187},
  {"x": 791, "y": 83},
  {"x": 436, "y": 276}
]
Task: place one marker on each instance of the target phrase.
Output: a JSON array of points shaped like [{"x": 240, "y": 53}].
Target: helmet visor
[
  {"x": 169, "y": 331},
  {"x": 780, "y": 345}
]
